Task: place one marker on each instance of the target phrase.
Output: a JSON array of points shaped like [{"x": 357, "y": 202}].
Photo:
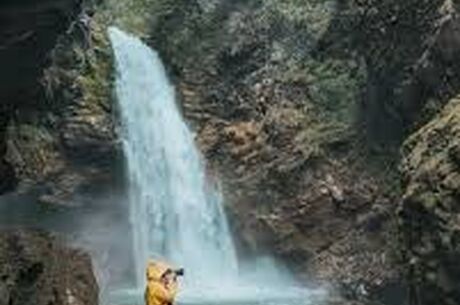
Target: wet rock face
[
  {"x": 59, "y": 135},
  {"x": 429, "y": 209},
  {"x": 297, "y": 182},
  {"x": 278, "y": 124},
  {"x": 36, "y": 269},
  {"x": 407, "y": 48},
  {"x": 28, "y": 31}
]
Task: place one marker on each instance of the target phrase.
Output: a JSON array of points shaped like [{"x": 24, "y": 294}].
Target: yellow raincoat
[{"x": 156, "y": 292}]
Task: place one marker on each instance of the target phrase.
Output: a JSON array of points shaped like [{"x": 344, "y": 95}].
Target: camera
[{"x": 179, "y": 272}]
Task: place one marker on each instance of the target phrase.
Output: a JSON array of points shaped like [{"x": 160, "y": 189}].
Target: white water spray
[{"x": 175, "y": 215}]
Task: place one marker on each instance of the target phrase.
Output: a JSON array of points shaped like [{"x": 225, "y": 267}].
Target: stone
[{"x": 38, "y": 269}]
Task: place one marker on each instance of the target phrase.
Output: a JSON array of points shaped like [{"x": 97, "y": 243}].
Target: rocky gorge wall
[
  {"x": 302, "y": 109},
  {"x": 280, "y": 124},
  {"x": 58, "y": 151},
  {"x": 429, "y": 212},
  {"x": 331, "y": 124}
]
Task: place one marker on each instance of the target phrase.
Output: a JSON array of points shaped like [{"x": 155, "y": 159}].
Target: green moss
[
  {"x": 315, "y": 139},
  {"x": 314, "y": 15},
  {"x": 89, "y": 71},
  {"x": 131, "y": 15},
  {"x": 334, "y": 86},
  {"x": 281, "y": 36}
]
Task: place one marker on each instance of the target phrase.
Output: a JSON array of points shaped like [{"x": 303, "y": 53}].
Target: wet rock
[
  {"x": 48, "y": 125},
  {"x": 278, "y": 124},
  {"x": 65, "y": 143},
  {"x": 407, "y": 49},
  {"x": 28, "y": 33},
  {"x": 35, "y": 268}
]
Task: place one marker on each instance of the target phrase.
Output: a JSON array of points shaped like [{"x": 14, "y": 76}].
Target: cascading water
[{"x": 175, "y": 214}]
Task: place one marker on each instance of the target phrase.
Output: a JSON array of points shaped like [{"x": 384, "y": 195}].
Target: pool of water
[{"x": 230, "y": 296}]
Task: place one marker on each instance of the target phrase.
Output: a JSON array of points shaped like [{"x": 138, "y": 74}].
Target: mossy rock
[{"x": 429, "y": 210}]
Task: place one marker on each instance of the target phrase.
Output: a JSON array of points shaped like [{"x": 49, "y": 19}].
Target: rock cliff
[
  {"x": 280, "y": 124},
  {"x": 429, "y": 213},
  {"x": 50, "y": 123},
  {"x": 300, "y": 108}
]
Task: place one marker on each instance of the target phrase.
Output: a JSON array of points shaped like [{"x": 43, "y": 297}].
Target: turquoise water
[
  {"x": 243, "y": 295},
  {"x": 279, "y": 296}
]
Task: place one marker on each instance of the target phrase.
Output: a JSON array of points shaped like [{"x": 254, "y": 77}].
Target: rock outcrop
[
  {"x": 429, "y": 211},
  {"x": 36, "y": 269},
  {"x": 58, "y": 128},
  {"x": 60, "y": 161},
  {"x": 27, "y": 33},
  {"x": 409, "y": 51}
]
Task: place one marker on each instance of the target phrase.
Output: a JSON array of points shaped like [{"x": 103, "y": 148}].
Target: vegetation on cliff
[
  {"x": 429, "y": 213},
  {"x": 74, "y": 114},
  {"x": 301, "y": 106},
  {"x": 280, "y": 121}
]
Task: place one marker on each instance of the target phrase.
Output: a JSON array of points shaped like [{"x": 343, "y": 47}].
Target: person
[{"x": 161, "y": 284}]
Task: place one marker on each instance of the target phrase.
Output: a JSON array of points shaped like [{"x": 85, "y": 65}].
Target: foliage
[{"x": 88, "y": 70}]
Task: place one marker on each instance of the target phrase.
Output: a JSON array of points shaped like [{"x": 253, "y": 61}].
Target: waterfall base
[{"x": 236, "y": 295}]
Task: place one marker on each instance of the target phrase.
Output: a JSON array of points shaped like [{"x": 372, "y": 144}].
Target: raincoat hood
[
  {"x": 158, "y": 292},
  {"x": 156, "y": 269}
]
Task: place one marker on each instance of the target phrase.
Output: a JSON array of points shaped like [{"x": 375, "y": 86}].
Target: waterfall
[{"x": 175, "y": 215}]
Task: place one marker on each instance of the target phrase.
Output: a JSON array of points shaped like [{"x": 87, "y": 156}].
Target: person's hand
[{"x": 170, "y": 280}]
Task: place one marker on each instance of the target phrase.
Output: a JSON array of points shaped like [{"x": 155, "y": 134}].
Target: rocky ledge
[{"x": 37, "y": 269}]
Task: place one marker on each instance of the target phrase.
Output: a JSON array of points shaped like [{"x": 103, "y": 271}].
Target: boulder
[{"x": 37, "y": 269}]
